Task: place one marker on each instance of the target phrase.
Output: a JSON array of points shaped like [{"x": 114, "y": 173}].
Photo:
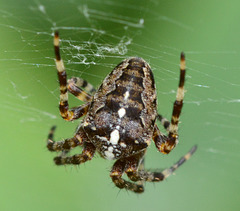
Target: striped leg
[
  {"x": 62, "y": 76},
  {"x": 116, "y": 175},
  {"x": 166, "y": 144},
  {"x": 163, "y": 121},
  {"x": 67, "y": 144},
  {"x": 79, "y": 82},
  {"x": 160, "y": 176},
  {"x": 135, "y": 163},
  {"x": 134, "y": 167},
  {"x": 139, "y": 174},
  {"x": 87, "y": 154},
  {"x": 77, "y": 91}
]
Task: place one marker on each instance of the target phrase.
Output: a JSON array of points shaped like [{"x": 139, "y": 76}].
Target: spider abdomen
[{"x": 121, "y": 117}]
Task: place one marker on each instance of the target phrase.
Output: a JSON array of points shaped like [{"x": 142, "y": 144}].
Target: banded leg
[
  {"x": 77, "y": 112},
  {"x": 136, "y": 172},
  {"x": 87, "y": 154},
  {"x": 139, "y": 174},
  {"x": 160, "y": 176},
  {"x": 79, "y": 82},
  {"x": 163, "y": 121},
  {"x": 66, "y": 113},
  {"x": 77, "y": 91},
  {"x": 67, "y": 144},
  {"x": 116, "y": 175},
  {"x": 167, "y": 144},
  {"x": 134, "y": 164}
]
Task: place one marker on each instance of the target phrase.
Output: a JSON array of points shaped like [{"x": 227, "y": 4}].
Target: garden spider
[{"x": 120, "y": 121}]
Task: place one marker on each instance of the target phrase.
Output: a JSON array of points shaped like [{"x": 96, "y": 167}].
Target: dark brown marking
[
  {"x": 182, "y": 56},
  {"x": 133, "y": 112},
  {"x": 182, "y": 71},
  {"x": 56, "y": 49},
  {"x": 85, "y": 83},
  {"x": 137, "y": 61},
  {"x": 177, "y": 108},
  {"x": 182, "y": 78},
  {"x": 62, "y": 76},
  {"x": 130, "y": 78}
]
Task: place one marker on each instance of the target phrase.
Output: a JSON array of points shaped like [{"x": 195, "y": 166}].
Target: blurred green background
[{"x": 96, "y": 35}]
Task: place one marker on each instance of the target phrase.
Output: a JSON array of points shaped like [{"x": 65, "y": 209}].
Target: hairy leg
[
  {"x": 66, "y": 145},
  {"x": 166, "y": 143},
  {"x": 66, "y": 113},
  {"x": 86, "y": 155}
]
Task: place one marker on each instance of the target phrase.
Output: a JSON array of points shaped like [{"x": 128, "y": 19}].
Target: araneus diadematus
[{"x": 120, "y": 121}]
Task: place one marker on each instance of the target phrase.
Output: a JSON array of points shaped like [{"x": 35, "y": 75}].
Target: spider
[{"x": 120, "y": 121}]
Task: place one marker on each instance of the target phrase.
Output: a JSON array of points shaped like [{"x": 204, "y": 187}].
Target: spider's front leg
[
  {"x": 75, "y": 83},
  {"x": 66, "y": 145},
  {"x": 79, "y": 139},
  {"x": 166, "y": 143},
  {"x": 86, "y": 155},
  {"x": 66, "y": 113}
]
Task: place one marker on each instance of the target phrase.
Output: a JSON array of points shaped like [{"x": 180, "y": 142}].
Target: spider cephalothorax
[{"x": 120, "y": 121}]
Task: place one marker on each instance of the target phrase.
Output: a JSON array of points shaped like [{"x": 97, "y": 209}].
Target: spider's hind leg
[
  {"x": 134, "y": 168},
  {"x": 116, "y": 174},
  {"x": 142, "y": 175}
]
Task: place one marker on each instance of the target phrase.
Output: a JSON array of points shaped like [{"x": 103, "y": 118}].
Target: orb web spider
[{"x": 120, "y": 121}]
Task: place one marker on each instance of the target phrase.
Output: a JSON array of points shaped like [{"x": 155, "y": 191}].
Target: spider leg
[
  {"x": 140, "y": 174},
  {"x": 165, "y": 123},
  {"x": 78, "y": 92},
  {"x": 67, "y": 144},
  {"x": 66, "y": 113},
  {"x": 79, "y": 111},
  {"x": 163, "y": 143},
  {"x": 161, "y": 140},
  {"x": 86, "y": 155},
  {"x": 79, "y": 82},
  {"x": 140, "y": 168},
  {"x": 134, "y": 164},
  {"x": 134, "y": 168},
  {"x": 116, "y": 175},
  {"x": 136, "y": 172}
]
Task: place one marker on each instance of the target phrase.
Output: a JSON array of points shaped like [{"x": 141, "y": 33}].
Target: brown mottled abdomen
[{"x": 122, "y": 115}]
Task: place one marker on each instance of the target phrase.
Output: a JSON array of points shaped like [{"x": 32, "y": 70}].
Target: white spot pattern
[
  {"x": 109, "y": 155},
  {"x": 102, "y": 138},
  {"x": 121, "y": 112},
  {"x": 114, "y": 137},
  {"x": 126, "y": 95},
  {"x": 110, "y": 149},
  {"x": 123, "y": 145}
]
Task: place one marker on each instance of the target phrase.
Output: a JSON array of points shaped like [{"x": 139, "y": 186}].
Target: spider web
[{"x": 95, "y": 37}]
